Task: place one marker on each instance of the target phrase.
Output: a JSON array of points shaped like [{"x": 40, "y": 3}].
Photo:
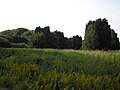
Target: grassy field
[{"x": 48, "y": 69}]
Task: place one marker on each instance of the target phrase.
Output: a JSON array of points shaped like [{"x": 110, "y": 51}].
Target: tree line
[
  {"x": 98, "y": 36},
  {"x": 38, "y": 38}
]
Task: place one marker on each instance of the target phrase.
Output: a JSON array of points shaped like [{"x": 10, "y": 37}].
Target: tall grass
[{"x": 48, "y": 69}]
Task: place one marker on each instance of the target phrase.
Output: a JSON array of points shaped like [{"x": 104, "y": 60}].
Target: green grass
[{"x": 48, "y": 69}]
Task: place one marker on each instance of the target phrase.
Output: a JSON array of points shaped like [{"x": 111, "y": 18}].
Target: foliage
[
  {"x": 114, "y": 41},
  {"x": 41, "y": 38},
  {"x": 4, "y": 42},
  {"x": 19, "y": 45},
  {"x": 48, "y": 69},
  {"x": 15, "y": 32},
  {"x": 76, "y": 42},
  {"x": 91, "y": 39},
  {"x": 99, "y": 36}
]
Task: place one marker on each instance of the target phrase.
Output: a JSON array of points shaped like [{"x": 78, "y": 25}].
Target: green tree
[
  {"x": 7, "y": 37},
  {"x": 42, "y": 37},
  {"x": 39, "y": 40},
  {"x": 20, "y": 31},
  {"x": 104, "y": 33},
  {"x": 114, "y": 41},
  {"x": 76, "y": 42},
  {"x": 19, "y": 39},
  {"x": 46, "y": 30},
  {"x": 119, "y": 45},
  {"x": 59, "y": 39},
  {"x": 53, "y": 40},
  {"x": 91, "y": 39},
  {"x": 38, "y": 29},
  {"x": 4, "y": 42},
  {"x": 97, "y": 35},
  {"x": 14, "y": 32}
]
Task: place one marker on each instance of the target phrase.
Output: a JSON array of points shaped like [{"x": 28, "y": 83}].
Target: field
[{"x": 48, "y": 69}]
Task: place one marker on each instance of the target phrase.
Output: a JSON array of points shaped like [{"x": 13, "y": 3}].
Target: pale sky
[{"x": 68, "y": 16}]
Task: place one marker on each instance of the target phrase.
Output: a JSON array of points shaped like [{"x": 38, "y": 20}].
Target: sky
[{"x": 68, "y": 16}]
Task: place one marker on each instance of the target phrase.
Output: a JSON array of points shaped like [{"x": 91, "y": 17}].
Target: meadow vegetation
[{"x": 50, "y": 69}]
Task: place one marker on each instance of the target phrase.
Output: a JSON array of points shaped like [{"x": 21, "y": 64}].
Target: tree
[
  {"x": 60, "y": 39},
  {"x": 103, "y": 30},
  {"x": 53, "y": 40},
  {"x": 114, "y": 40},
  {"x": 20, "y": 31},
  {"x": 46, "y": 30},
  {"x": 91, "y": 38},
  {"x": 119, "y": 45},
  {"x": 19, "y": 39},
  {"x": 7, "y": 37},
  {"x": 4, "y": 43},
  {"x": 39, "y": 40},
  {"x": 38, "y": 29},
  {"x": 67, "y": 43},
  {"x": 15, "y": 32},
  {"x": 76, "y": 42},
  {"x": 97, "y": 35}
]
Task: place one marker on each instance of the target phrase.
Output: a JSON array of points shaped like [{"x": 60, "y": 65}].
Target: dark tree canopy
[
  {"x": 4, "y": 42},
  {"x": 114, "y": 40},
  {"x": 39, "y": 38},
  {"x": 104, "y": 33},
  {"x": 38, "y": 29},
  {"x": 98, "y": 35},
  {"x": 76, "y": 42}
]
